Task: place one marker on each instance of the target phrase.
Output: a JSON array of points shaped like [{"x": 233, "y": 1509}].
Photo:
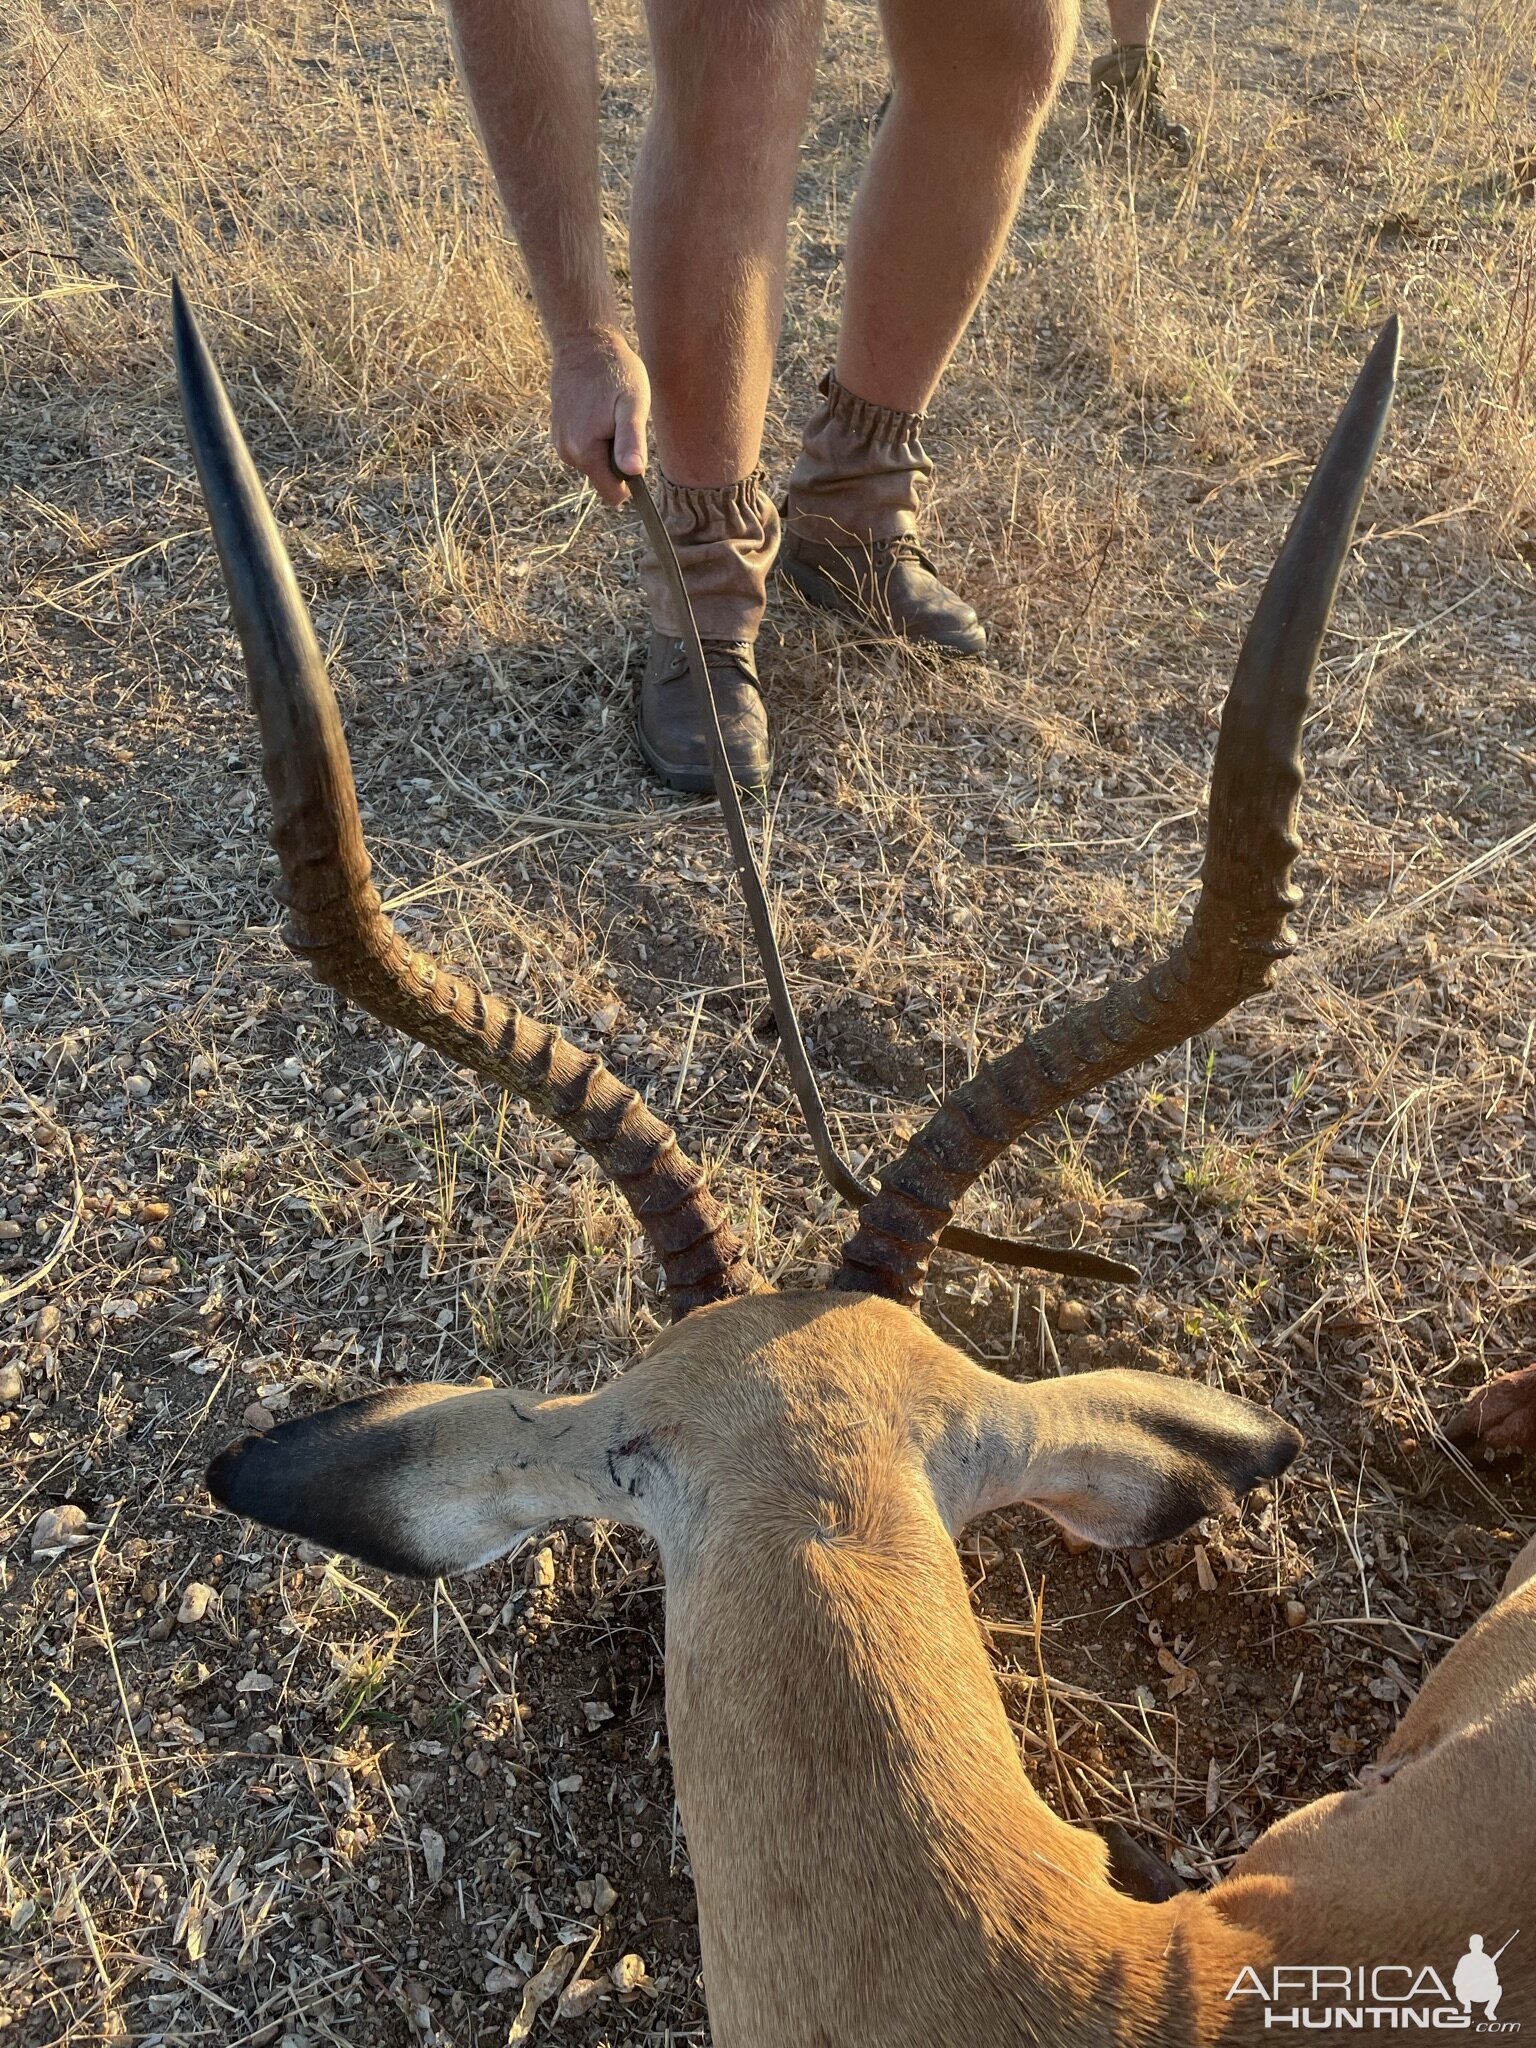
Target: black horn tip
[
  {"x": 195, "y": 371},
  {"x": 236, "y": 503},
  {"x": 1365, "y": 410},
  {"x": 1293, "y": 612},
  {"x": 211, "y": 428},
  {"x": 1388, "y": 348},
  {"x": 282, "y": 661},
  {"x": 1252, "y": 841}
]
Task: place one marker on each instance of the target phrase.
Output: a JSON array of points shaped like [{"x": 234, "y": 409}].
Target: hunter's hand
[{"x": 599, "y": 401}]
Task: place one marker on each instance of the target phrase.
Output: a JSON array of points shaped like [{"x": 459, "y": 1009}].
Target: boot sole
[
  {"x": 819, "y": 589},
  {"x": 685, "y": 777}
]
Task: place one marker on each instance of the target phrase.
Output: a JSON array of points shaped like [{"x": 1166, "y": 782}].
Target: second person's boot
[{"x": 1127, "y": 88}]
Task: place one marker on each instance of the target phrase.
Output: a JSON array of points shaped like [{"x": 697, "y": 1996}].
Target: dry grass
[{"x": 228, "y": 1829}]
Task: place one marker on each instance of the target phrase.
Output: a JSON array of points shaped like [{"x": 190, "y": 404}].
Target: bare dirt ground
[{"x": 251, "y": 1795}]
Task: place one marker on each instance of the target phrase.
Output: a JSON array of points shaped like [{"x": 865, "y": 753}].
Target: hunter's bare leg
[
  {"x": 708, "y": 228},
  {"x": 971, "y": 86},
  {"x": 1133, "y": 22},
  {"x": 710, "y": 217}
]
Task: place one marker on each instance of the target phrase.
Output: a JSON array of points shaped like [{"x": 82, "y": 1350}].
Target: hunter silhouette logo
[
  {"x": 1356, "y": 1998},
  {"x": 1476, "y": 1978}
]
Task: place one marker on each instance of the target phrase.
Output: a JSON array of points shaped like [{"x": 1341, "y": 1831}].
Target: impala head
[
  {"x": 800, "y": 1417},
  {"x": 796, "y": 1409}
]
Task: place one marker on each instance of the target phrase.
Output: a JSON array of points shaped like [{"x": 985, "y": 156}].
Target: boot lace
[{"x": 902, "y": 547}]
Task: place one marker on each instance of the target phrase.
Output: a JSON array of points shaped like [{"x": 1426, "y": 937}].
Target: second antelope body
[{"x": 874, "y": 1869}]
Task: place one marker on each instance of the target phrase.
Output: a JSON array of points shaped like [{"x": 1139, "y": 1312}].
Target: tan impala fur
[{"x": 874, "y": 1869}]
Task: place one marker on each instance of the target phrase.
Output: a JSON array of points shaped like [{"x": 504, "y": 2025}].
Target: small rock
[
  {"x": 258, "y": 1416},
  {"x": 138, "y": 1086},
  {"x": 59, "y": 1529},
  {"x": 1072, "y": 1318},
  {"x": 628, "y": 1974},
  {"x": 1295, "y": 1614},
  {"x": 11, "y": 1385},
  {"x": 433, "y": 1850},
  {"x": 1203, "y": 1571},
  {"x": 604, "y": 1897},
  {"x": 195, "y": 1603},
  {"x": 500, "y": 1979},
  {"x": 9, "y": 1231},
  {"x": 154, "y": 1212},
  {"x": 201, "y": 1068},
  {"x": 542, "y": 1571}
]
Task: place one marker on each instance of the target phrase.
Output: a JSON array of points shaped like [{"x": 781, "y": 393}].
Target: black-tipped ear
[
  {"x": 333, "y": 1478},
  {"x": 1127, "y": 1458},
  {"x": 428, "y": 1480}
]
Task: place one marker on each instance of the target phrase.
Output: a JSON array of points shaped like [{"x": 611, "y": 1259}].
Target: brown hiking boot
[
  {"x": 890, "y": 583},
  {"x": 671, "y": 725},
  {"x": 726, "y": 537},
  {"x": 1128, "y": 99},
  {"x": 850, "y": 523}
]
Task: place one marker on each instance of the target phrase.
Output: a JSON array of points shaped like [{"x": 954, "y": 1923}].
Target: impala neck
[{"x": 871, "y": 1862}]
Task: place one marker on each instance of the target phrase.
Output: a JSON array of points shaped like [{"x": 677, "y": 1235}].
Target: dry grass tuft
[{"x": 316, "y": 1805}]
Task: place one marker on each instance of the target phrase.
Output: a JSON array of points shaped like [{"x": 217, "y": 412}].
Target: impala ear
[
  {"x": 429, "y": 1480},
  {"x": 1118, "y": 1458}
]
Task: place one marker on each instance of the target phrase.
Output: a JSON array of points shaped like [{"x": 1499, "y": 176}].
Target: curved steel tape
[{"x": 977, "y": 1244}]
